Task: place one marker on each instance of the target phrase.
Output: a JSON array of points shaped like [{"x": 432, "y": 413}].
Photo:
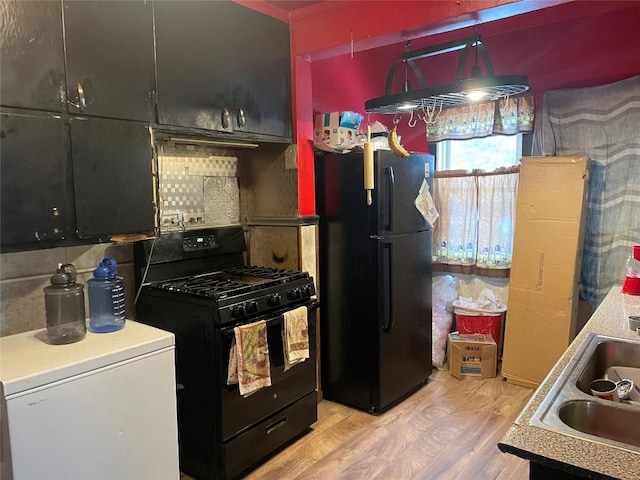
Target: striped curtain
[{"x": 602, "y": 123}]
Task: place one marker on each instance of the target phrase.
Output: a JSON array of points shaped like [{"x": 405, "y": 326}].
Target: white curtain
[
  {"x": 455, "y": 235},
  {"x": 496, "y": 216},
  {"x": 477, "y": 213}
]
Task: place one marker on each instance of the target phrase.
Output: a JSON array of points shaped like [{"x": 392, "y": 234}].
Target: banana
[{"x": 395, "y": 146}]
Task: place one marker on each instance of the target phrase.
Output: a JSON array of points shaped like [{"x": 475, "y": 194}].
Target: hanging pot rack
[{"x": 462, "y": 91}]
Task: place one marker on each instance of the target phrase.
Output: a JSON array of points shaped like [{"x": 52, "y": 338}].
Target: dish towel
[
  {"x": 295, "y": 337},
  {"x": 249, "y": 358}
]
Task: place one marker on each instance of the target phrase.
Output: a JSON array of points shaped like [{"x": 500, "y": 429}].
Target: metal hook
[
  {"x": 430, "y": 111},
  {"x": 412, "y": 122}
]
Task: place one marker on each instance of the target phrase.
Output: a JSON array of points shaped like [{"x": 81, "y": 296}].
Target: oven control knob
[
  {"x": 306, "y": 291},
  {"x": 294, "y": 294},
  {"x": 238, "y": 311},
  {"x": 274, "y": 300},
  {"x": 251, "y": 307}
]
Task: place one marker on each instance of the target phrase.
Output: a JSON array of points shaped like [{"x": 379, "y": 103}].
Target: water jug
[
  {"x": 631, "y": 290},
  {"x": 64, "y": 307},
  {"x": 106, "y": 298}
]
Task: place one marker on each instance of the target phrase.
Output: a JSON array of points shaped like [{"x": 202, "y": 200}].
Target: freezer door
[
  {"x": 404, "y": 330},
  {"x": 398, "y": 182}
]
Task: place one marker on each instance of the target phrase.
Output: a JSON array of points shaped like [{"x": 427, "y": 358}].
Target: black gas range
[
  {"x": 196, "y": 284},
  {"x": 242, "y": 292}
]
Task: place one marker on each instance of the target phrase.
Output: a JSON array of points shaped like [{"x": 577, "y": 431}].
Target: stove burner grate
[
  {"x": 267, "y": 272},
  {"x": 232, "y": 282},
  {"x": 205, "y": 286}
]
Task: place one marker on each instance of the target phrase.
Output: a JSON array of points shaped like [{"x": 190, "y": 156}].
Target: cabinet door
[
  {"x": 261, "y": 74},
  {"x": 193, "y": 58},
  {"x": 31, "y": 55},
  {"x": 113, "y": 182},
  {"x": 110, "y": 70},
  {"x": 36, "y": 196}
]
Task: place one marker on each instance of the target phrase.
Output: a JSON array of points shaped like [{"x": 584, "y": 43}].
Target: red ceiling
[{"x": 290, "y": 5}]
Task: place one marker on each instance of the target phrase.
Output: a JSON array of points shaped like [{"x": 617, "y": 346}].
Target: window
[
  {"x": 486, "y": 153},
  {"x": 476, "y": 204}
]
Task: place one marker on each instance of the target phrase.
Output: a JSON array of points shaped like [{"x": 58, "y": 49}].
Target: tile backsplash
[
  {"x": 198, "y": 186},
  {"x": 221, "y": 201}
]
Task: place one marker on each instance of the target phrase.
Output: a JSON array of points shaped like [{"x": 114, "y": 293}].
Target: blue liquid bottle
[{"x": 106, "y": 298}]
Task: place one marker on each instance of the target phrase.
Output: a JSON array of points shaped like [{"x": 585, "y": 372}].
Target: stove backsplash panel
[
  {"x": 198, "y": 187},
  {"x": 221, "y": 201}
]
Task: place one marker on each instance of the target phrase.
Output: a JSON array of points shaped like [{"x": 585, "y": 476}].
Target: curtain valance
[{"x": 507, "y": 116}]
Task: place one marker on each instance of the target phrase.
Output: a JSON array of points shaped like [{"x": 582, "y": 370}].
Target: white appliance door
[{"x": 116, "y": 422}]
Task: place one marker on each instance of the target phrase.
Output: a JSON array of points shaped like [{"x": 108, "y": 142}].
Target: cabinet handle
[
  {"x": 241, "y": 118},
  {"x": 226, "y": 116},
  {"x": 82, "y": 103}
]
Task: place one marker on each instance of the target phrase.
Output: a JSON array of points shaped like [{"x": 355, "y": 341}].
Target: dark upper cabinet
[
  {"x": 193, "y": 60},
  {"x": 32, "y": 55},
  {"x": 36, "y": 192},
  {"x": 221, "y": 66},
  {"x": 113, "y": 177},
  {"x": 109, "y": 49},
  {"x": 67, "y": 183},
  {"x": 261, "y": 74},
  {"x": 68, "y": 179}
]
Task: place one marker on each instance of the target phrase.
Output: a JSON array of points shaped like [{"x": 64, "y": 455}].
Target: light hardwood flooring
[{"x": 447, "y": 430}]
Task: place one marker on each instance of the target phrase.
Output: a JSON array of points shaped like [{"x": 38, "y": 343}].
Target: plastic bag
[
  {"x": 487, "y": 303},
  {"x": 444, "y": 292}
]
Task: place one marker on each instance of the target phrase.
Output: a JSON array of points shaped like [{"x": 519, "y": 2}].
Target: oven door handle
[
  {"x": 278, "y": 319},
  {"x": 272, "y": 320}
]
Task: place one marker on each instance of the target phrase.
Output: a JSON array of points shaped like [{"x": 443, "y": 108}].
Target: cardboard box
[
  {"x": 545, "y": 270},
  {"x": 327, "y": 130},
  {"x": 472, "y": 355}
]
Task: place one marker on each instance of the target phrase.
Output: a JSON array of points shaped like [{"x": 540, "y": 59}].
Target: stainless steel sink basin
[
  {"x": 607, "y": 354},
  {"x": 570, "y": 409},
  {"x": 595, "y": 418}
]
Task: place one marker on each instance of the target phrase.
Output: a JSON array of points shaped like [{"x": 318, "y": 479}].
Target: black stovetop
[
  {"x": 233, "y": 282},
  {"x": 207, "y": 267}
]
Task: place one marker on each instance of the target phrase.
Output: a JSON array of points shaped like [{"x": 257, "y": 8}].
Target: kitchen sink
[
  {"x": 595, "y": 418},
  {"x": 611, "y": 358},
  {"x": 570, "y": 409}
]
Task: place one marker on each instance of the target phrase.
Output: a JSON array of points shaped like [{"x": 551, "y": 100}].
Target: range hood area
[{"x": 211, "y": 183}]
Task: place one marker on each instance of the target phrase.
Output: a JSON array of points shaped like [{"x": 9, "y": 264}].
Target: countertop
[
  {"x": 28, "y": 360},
  {"x": 545, "y": 446}
]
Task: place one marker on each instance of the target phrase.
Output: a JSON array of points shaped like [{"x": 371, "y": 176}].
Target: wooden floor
[{"x": 447, "y": 430}]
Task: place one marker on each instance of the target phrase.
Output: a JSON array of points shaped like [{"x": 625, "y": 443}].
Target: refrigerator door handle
[
  {"x": 387, "y": 294},
  {"x": 391, "y": 182}
]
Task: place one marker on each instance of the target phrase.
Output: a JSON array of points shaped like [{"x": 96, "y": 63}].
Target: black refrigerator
[{"x": 374, "y": 279}]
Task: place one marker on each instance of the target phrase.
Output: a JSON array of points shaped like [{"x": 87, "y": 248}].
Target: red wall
[{"x": 577, "y": 52}]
